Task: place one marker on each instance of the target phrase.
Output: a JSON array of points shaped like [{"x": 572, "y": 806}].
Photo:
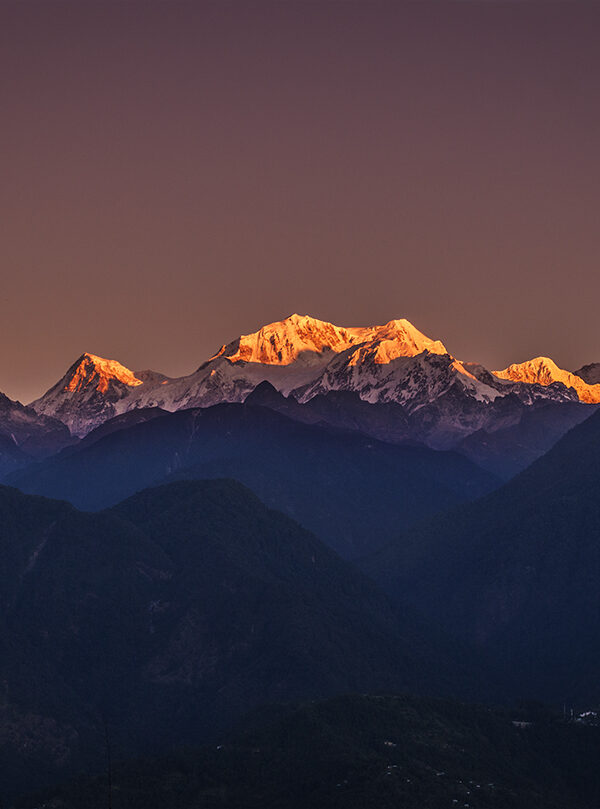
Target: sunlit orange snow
[
  {"x": 544, "y": 371},
  {"x": 93, "y": 370}
]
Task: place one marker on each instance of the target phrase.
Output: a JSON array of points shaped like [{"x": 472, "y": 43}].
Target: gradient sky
[{"x": 174, "y": 174}]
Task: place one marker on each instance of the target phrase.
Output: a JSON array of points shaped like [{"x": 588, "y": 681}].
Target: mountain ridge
[
  {"x": 171, "y": 615},
  {"x": 306, "y": 357},
  {"x": 516, "y": 570},
  {"x": 26, "y": 435},
  {"x": 337, "y": 483},
  {"x": 544, "y": 371}
]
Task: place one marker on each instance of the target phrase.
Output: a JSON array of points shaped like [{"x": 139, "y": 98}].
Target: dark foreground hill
[
  {"x": 168, "y": 617},
  {"x": 362, "y": 753},
  {"x": 511, "y": 436},
  {"x": 517, "y": 572},
  {"x": 353, "y": 491}
]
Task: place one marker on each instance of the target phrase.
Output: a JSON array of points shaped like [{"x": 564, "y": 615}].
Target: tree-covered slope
[
  {"x": 169, "y": 616},
  {"x": 351, "y": 490},
  {"x": 517, "y": 571},
  {"x": 361, "y": 752}
]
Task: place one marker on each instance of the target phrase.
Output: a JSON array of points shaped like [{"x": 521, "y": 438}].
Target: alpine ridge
[
  {"x": 26, "y": 434},
  {"x": 589, "y": 373},
  {"x": 303, "y": 357},
  {"x": 300, "y": 336},
  {"x": 88, "y": 393},
  {"x": 544, "y": 371}
]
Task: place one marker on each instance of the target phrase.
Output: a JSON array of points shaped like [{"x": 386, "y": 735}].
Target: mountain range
[
  {"x": 317, "y": 510},
  {"x": 305, "y": 357},
  {"x": 391, "y": 382},
  {"x": 353, "y": 491}
]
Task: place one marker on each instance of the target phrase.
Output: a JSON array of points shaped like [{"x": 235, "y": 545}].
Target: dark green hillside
[
  {"x": 517, "y": 572},
  {"x": 351, "y": 490},
  {"x": 363, "y": 753},
  {"x": 174, "y": 613}
]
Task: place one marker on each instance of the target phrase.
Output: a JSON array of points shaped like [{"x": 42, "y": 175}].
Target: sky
[{"x": 174, "y": 174}]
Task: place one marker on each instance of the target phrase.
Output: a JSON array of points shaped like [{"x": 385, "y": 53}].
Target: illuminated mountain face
[
  {"x": 306, "y": 357},
  {"x": 303, "y": 337},
  {"x": 88, "y": 393},
  {"x": 91, "y": 371},
  {"x": 544, "y": 371}
]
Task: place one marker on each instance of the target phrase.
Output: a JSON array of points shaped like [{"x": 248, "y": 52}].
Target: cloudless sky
[{"x": 174, "y": 174}]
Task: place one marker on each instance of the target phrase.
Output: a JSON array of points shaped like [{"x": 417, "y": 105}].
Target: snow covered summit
[
  {"x": 305, "y": 357},
  {"x": 305, "y": 338},
  {"x": 88, "y": 393},
  {"x": 544, "y": 371}
]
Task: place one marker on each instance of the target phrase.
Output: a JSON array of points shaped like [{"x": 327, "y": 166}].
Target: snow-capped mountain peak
[
  {"x": 305, "y": 338},
  {"x": 396, "y": 338},
  {"x": 412, "y": 340},
  {"x": 91, "y": 370},
  {"x": 286, "y": 341},
  {"x": 305, "y": 357},
  {"x": 544, "y": 371},
  {"x": 89, "y": 393}
]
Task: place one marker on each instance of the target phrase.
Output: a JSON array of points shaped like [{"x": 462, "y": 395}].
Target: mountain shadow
[
  {"x": 166, "y": 618},
  {"x": 517, "y": 571},
  {"x": 351, "y": 490}
]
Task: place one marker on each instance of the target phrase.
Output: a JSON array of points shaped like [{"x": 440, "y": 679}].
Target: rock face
[
  {"x": 305, "y": 358},
  {"x": 88, "y": 393},
  {"x": 25, "y": 434},
  {"x": 590, "y": 373}
]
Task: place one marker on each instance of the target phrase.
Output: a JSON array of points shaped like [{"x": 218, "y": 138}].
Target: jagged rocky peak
[
  {"x": 24, "y": 434},
  {"x": 590, "y": 373},
  {"x": 544, "y": 371},
  {"x": 303, "y": 337},
  {"x": 93, "y": 371},
  {"x": 264, "y": 394},
  {"x": 304, "y": 357},
  {"x": 88, "y": 393},
  {"x": 408, "y": 337}
]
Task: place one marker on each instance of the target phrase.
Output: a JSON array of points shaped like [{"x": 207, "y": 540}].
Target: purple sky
[{"x": 174, "y": 174}]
